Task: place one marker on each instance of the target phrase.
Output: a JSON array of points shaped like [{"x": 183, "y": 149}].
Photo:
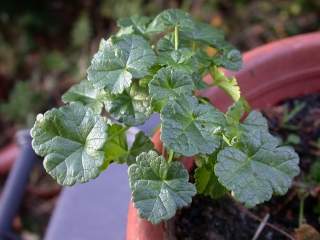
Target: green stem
[
  {"x": 301, "y": 211},
  {"x": 170, "y": 156},
  {"x": 176, "y": 37},
  {"x": 193, "y": 46}
]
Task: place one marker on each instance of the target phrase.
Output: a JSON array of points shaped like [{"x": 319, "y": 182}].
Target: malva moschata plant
[{"x": 157, "y": 65}]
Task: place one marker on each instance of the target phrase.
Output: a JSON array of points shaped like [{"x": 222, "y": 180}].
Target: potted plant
[{"x": 157, "y": 65}]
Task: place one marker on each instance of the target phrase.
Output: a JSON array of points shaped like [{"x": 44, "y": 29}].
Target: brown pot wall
[{"x": 274, "y": 72}]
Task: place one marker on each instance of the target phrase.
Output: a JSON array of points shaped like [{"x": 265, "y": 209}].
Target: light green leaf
[
  {"x": 229, "y": 85},
  {"x": 159, "y": 187},
  {"x": 190, "y": 128},
  {"x": 207, "y": 183},
  {"x": 170, "y": 83},
  {"x": 237, "y": 110},
  {"x": 118, "y": 61},
  {"x": 258, "y": 171},
  {"x": 116, "y": 148},
  {"x": 85, "y": 93},
  {"x": 132, "y": 107},
  {"x": 141, "y": 143},
  {"x": 71, "y": 140}
]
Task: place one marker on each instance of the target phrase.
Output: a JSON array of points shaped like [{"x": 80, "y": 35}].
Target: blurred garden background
[{"x": 46, "y": 46}]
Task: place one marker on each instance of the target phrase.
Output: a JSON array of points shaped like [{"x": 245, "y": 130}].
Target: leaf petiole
[
  {"x": 176, "y": 38},
  {"x": 171, "y": 153}
]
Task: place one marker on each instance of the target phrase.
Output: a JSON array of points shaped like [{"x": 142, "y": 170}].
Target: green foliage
[
  {"x": 206, "y": 181},
  {"x": 229, "y": 85},
  {"x": 190, "y": 128},
  {"x": 132, "y": 107},
  {"x": 257, "y": 169},
  {"x": 118, "y": 61},
  {"x": 85, "y": 93},
  {"x": 156, "y": 65},
  {"x": 169, "y": 84},
  {"x": 159, "y": 187},
  {"x": 71, "y": 140}
]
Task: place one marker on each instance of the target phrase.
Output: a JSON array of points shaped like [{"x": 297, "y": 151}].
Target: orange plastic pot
[{"x": 274, "y": 72}]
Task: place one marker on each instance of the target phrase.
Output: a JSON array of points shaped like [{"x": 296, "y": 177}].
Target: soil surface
[{"x": 297, "y": 123}]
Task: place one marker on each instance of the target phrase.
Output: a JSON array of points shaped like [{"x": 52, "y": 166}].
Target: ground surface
[{"x": 297, "y": 122}]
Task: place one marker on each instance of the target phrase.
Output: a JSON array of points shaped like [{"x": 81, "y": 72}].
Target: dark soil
[{"x": 297, "y": 122}]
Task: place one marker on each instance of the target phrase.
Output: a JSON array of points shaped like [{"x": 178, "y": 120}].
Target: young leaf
[
  {"x": 133, "y": 25},
  {"x": 254, "y": 175},
  {"x": 167, "y": 20},
  {"x": 132, "y": 107},
  {"x": 118, "y": 61},
  {"x": 181, "y": 59},
  {"x": 85, "y": 93},
  {"x": 71, "y": 140},
  {"x": 204, "y": 33},
  {"x": 207, "y": 183},
  {"x": 159, "y": 187},
  {"x": 229, "y": 58},
  {"x": 190, "y": 128},
  {"x": 229, "y": 85},
  {"x": 116, "y": 148},
  {"x": 141, "y": 143},
  {"x": 237, "y": 110},
  {"x": 169, "y": 83}
]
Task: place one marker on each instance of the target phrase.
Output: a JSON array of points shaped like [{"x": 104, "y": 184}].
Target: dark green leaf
[
  {"x": 255, "y": 120},
  {"x": 118, "y": 61},
  {"x": 181, "y": 59},
  {"x": 168, "y": 20},
  {"x": 190, "y": 128},
  {"x": 132, "y": 107},
  {"x": 229, "y": 58},
  {"x": 253, "y": 176},
  {"x": 169, "y": 83},
  {"x": 159, "y": 187},
  {"x": 85, "y": 93},
  {"x": 133, "y": 25},
  {"x": 71, "y": 140},
  {"x": 204, "y": 33}
]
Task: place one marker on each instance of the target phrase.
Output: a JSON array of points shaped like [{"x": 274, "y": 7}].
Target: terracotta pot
[{"x": 277, "y": 71}]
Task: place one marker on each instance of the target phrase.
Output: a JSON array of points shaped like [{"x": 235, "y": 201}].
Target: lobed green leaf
[
  {"x": 254, "y": 175},
  {"x": 85, "y": 93},
  {"x": 132, "y": 107},
  {"x": 189, "y": 128},
  {"x": 71, "y": 140},
  {"x": 118, "y": 61},
  {"x": 159, "y": 187}
]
